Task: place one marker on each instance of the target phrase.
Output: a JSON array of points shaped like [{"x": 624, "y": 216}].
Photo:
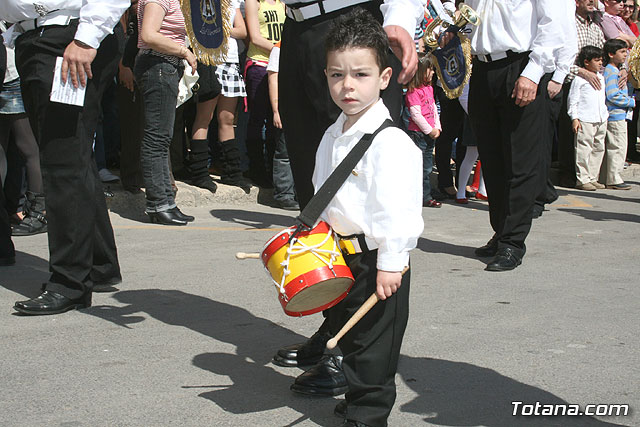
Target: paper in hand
[{"x": 65, "y": 93}]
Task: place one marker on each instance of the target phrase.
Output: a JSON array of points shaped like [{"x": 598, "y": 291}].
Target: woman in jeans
[{"x": 158, "y": 70}]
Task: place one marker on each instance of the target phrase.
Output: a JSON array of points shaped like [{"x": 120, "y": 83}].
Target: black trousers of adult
[
  {"x": 82, "y": 249},
  {"x": 548, "y": 193},
  {"x": 509, "y": 145},
  {"x": 452, "y": 121},
  {"x": 372, "y": 347},
  {"x": 305, "y": 104},
  {"x": 632, "y": 135},
  {"x": 566, "y": 148},
  {"x": 6, "y": 245}
]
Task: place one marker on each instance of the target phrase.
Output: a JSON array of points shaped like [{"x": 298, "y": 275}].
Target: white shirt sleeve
[
  {"x": 97, "y": 19},
  {"x": 549, "y": 36},
  {"x": 574, "y": 97},
  {"x": 404, "y": 13},
  {"x": 395, "y": 198},
  {"x": 566, "y": 54}
]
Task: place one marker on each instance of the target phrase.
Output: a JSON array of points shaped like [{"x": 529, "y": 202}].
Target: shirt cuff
[
  {"x": 391, "y": 261},
  {"x": 89, "y": 34},
  {"x": 400, "y": 17},
  {"x": 559, "y": 76},
  {"x": 533, "y": 72}
]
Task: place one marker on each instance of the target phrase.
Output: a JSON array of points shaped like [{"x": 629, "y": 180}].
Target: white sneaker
[{"x": 107, "y": 176}]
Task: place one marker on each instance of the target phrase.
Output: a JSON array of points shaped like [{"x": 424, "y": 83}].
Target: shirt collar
[
  {"x": 587, "y": 20},
  {"x": 368, "y": 123}
]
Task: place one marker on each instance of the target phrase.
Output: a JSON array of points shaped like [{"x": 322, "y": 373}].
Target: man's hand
[
  {"x": 388, "y": 282},
  {"x": 553, "y": 88},
  {"x": 125, "y": 77},
  {"x": 524, "y": 91},
  {"x": 623, "y": 76},
  {"x": 404, "y": 48},
  {"x": 77, "y": 61},
  {"x": 591, "y": 77},
  {"x": 576, "y": 126}
]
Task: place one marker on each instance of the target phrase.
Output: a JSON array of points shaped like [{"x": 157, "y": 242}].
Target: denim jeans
[
  {"x": 158, "y": 81},
  {"x": 426, "y": 145},
  {"x": 283, "y": 188}
]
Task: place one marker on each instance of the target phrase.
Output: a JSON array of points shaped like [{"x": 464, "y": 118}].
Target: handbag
[{"x": 188, "y": 84}]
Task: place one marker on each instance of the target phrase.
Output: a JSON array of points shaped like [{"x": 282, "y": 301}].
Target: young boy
[
  {"x": 588, "y": 112},
  {"x": 380, "y": 204},
  {"x": 619, "y": 104}
]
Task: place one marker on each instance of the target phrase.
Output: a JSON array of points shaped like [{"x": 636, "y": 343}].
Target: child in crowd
[
  {"x": 380, "y": 204},
  {"x": 619, "y": 105},
  {"x": 588, "y": 112},
  {"x": 424, "y": 121}
]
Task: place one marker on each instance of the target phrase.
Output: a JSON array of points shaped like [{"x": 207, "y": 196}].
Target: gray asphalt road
[{"x": 187, "y": 338}]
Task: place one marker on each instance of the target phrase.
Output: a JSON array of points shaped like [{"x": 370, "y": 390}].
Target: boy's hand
[
  {"x": 388, "y": 282},
  {"x": 576, "y": 126},
  {"x": 435, "y": 133}
]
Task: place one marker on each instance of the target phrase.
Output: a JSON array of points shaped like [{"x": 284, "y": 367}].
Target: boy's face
[
  {"x": 619, "y": 57},
  {"x": 594, "y": 65},
  {"x": 355, "y": 80}
]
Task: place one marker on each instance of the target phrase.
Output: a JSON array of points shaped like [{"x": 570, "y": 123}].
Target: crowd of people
[{"x": 299, "y": 84}]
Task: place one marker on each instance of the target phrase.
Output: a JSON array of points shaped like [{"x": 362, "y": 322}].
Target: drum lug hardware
[{"x": 333, "y": 271}]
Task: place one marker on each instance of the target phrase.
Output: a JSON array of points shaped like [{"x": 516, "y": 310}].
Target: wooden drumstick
[
  {"x": 244, "y": 255},
  {"x": 364, "y": 309}
]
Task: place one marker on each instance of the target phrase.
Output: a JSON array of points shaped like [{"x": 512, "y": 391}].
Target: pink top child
[{"x": 424, "y": 115}]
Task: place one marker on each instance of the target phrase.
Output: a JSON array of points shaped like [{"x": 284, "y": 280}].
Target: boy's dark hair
[
  {"x": 588, "y": 53},
  {"x": 358, "y": 29},
  {"x": 611, "y": 46}
]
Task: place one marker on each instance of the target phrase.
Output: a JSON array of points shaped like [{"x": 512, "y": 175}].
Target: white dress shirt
[
  {"x": 97, "y": 17},
  {"x": 520, "y": 26},
  {"x": 382, "y": 197},
  {"x": 585, "y": 103},
  {"x": 566, "y": 54},
  {"x": 404, "y": 13}
]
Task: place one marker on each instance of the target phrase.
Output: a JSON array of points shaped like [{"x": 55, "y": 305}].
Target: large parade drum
[{"x": 308, "y": 269}]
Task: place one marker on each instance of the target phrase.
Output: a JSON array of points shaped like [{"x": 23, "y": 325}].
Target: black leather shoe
[
  {"x": 307, "y": 353},
  {"x": 352, "y": 423},
  {"x": 51, "y": 303},
  {"x": 6, "y": 261},
  {"x": 489, "y": 249},
  {"x": 165, "y": 218},
  {"x": 178, "y": 213},
  {"x": 341, "y": 409},
  {"x": 324, "y": 379},
  {"x": 506, "y": 259}
]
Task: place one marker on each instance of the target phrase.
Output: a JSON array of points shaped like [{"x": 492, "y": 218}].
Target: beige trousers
[
  {"x": 589, "y": 145},
  {"x": 615, "y": 153}
]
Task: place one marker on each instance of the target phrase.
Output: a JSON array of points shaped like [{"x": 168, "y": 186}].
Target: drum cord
[{"x": 292, "y": 250}]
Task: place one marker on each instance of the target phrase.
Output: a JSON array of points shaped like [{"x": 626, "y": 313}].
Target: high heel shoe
[
  {"x": 165, "y": 218},
  {"x": 178, "y": 213}
]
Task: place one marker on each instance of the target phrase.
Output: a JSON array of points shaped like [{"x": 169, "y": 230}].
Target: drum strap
[{"x": 321, "y": 199}]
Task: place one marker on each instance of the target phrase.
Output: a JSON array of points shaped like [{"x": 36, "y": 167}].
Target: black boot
[
  {"x": 324, "y": 379},
  {"x": 34, "y": 221},
  {"x": 232, "y": 172},
  {"x": 198, "y": 167},
  {"x": 303, "y": 354}
]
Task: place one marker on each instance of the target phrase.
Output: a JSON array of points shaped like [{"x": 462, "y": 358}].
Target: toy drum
[{"x": 308, "y": 270}]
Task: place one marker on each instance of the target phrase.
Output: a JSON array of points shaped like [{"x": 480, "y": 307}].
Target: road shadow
[
  {"x": 600, "y": 195},
  {"x": 254, "y": 219},
  {"x": 603, "y": 215},
  {"x": 26, "y": 276},
  {"x": 256, "y": 384},
  {"x": 461, "y": 394},
  {"x": 436, "y": 247}
]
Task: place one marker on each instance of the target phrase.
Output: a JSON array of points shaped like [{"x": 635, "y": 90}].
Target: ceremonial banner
[
  {"x": 208, "y": 28},
  {"x": 454, "y": 65}
]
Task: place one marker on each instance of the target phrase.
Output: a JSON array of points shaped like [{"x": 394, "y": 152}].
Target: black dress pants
[
  {"x": 305, "y": 104},
  {"x": 566, "y": 148},
  {"x": 510, "y": 145},
  {"x": 82, "y": 249},
  {"x": 372, "y": 347},
  {"x": 452, "y": 120}
]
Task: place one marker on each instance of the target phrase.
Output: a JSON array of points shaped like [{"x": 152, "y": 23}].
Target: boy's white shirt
[
  {"x": 382, "y": 197},
  {"x": 586, "y": 103}
]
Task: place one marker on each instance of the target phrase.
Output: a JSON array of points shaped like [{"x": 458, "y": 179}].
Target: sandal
[{"x": 431, "y": 204}]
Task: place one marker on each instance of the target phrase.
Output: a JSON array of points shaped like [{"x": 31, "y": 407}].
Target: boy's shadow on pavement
[
  {"x": 448, "y": 393},
  {"x": 461, "y": 394}
]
